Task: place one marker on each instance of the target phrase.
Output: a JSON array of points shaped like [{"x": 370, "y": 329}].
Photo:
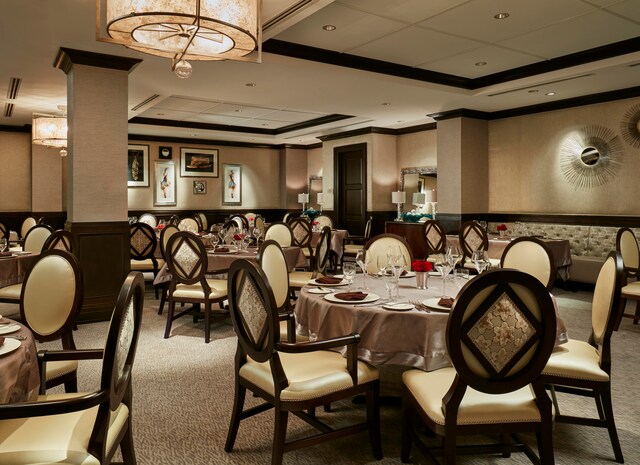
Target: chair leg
[
  {"x": 373, "y": 419},
  {"x": 163, "y": 298},
  {"x": 126, "y": 446},
  {"x": 279, "y": 436},
  {"x": 170, "y": 312},
  {"x": 637, "y": 315},
  {"x": 236, "y": 416},
  {"x": 605, "y": 397},
  {"x": 71, "y": 385},
  {"x": 207, "y": 322},
  {"x": 449, "y": 447},
  {"x": 545, "y": 444}
]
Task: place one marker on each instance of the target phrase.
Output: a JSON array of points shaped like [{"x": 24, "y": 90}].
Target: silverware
[
  {"x": 420, "y": 306},
  {"x": 19, "y": 338}
]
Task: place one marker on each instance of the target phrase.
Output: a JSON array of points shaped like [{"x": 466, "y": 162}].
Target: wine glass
[
  {"x": 454, "y": 255},
  {"x": 390, "y": 282},
  {"x": 442, "y": 264},
  {"x": 393, "y": 254},
  {"x": 3, "y": 244},
  {"x": 349, "y": 272},
  {"x": 480, "y": 261},
  {"x": 398, "y": 268},
  {"x": 257, "y": 232},
  {"x": 361, "y": 260},
  {"x": 214, "y": 240}
]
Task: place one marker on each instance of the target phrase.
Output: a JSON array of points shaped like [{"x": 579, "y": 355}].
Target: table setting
[{"x": 19, "y": 376}]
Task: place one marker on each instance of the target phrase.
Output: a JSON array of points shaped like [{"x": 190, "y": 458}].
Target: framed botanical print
[
  {"x": 138, "y": 166},
  {"x": 231, "y": 184},
  {"x": 164, "y": 153},
  {"x": 198, "y": 163},
  {"x": 199, "y": 187},
  {"x": 164, "y": 186}
]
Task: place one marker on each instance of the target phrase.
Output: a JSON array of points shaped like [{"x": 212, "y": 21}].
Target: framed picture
[
  {"x": 164, "y": 153},
  {"x": 164, "y": 186},
  {"x": 199, "y": 187},
  {"x": 199, "y": 162},
  {"x": 231, "y": 184},
  {"x": 138, "y": 166}
]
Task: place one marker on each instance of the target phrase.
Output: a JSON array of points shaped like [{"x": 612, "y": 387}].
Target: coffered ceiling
[{"x": 386, "y": 63}]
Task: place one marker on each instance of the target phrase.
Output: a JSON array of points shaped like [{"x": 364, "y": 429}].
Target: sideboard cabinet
[{"x": 412, "y": 233}]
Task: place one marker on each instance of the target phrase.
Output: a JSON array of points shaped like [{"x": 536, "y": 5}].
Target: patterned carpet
[{"x": 183, "y": 395}]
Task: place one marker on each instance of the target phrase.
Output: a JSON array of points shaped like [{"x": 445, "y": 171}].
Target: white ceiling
[{"x": 446, "y": 36}]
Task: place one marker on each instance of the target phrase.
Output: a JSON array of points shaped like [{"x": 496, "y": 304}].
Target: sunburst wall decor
[
  {"x": 591, "y": 156},
  {"x": 630, "y": 126}
]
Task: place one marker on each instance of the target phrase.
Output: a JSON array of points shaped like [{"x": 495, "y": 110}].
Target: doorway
[{"x": 351, "y": 187}]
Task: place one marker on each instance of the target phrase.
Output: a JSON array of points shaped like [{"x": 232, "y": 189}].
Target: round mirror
[{"x": 590, "y": 156}]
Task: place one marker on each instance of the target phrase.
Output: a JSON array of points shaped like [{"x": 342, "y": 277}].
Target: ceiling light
[
  {"x": 481, "y": 63},
  {"x": 250, "y": 84},
  {"x": 386, "y": 104},
  {"x": 50, "y": 130},
  {"x": 329, "y": 27},
  {"x": 533, "y": 91},
  {"x": 551, "y": 93},
  {"x": 501, "y": 16},
  {"x": 183, "y": 30}
]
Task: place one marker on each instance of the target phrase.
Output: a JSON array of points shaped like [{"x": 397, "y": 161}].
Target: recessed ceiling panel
[
  {"x": 176, "y": 102},
  {"x": 216, "y": 119},
  {"x": 263, "y": 123},
  {"x": 161, "y": 113},
  {"x": 629, "y": 9},
  {"x": 238, "y": 111},
  {"x": 292, "y": 116},
  {"x": 407, "y": 11}
]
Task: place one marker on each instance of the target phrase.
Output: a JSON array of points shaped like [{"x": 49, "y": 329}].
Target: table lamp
[
  {"x": 320, "y": 198},
  {"x": 303, "y": 199},
  {"x": 432, "y": 198},
  {"x": 398, "y": 197}
]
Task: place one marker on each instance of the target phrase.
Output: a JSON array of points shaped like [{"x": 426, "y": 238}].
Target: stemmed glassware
[
  {"x": 443, "y": 266},
  {"x": 363, "y": 259},
  {"x": 454, "y": 255},
  {"x": 349, "y": 272},
  {"x": 480, "y": 260},
  {"x": 257, "y": 232}
]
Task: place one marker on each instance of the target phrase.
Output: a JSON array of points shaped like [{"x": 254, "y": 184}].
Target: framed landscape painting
[
  {"x": 164, "y": 186},
  {"x": 138, "y": 166},
  {"x": 198, "y": 162},
  {"x": 231, "y": 184}
]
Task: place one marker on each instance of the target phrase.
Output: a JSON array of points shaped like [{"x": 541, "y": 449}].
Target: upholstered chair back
[
  {"x": 324, "y": 220},
  {"x": 532, "y": 256},
  {"x": 251, "y": 219},
  {"x": 241, "y": 221},
  {"x": 271, "y": 259},
  {"x": 143, "y": 241},
  {"x": 61, "y": 240},
  {"x": 435, "y": 237},
  {"x": 501, "y": 331},
  {"x": 473, "y": 237},
  {"x": 186, "y": 257},
  {"x": 189, "y": 224},
  {"x": 259, "y": 223},
  {"x": 301, "y": 232},
  {"x": 28, "y": 223},
  {"x": 52, "y": 295},
  {"x": 322, "y": 250},
  {"x": 165, "y": 235},
  {"x": 606, "y": 298},
  {"x": 4, "y": 232},
  {"x": 627, "y": 245},
  {"x": 378, "y": 246},
  {"x": 203, "y": 221},
  {"x": 174, "y": 220},
  {"x": 36, "y": 237},
  {"x": 281, "y": 233},
  {"x": 149, "y": 219},
  {"x": 367, "y": 229}
]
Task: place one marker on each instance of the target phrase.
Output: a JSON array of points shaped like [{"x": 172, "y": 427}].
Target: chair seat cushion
[
  {"x": 194, "y": 291},
  {"x": 61, "y": 368},
  {"x": 576, "y": 360},
  {"x": 56, "y": 439},
  {"x": 145, "y": 265},
  {"x": 299, "y": 279},
  {"x": 11, "y": 292},
  {"x": 311, "y": 375},
  {"x": 352, "y": 249},
  {"x": 476, "y": 408},
  {"x": 631, "y": 290}
]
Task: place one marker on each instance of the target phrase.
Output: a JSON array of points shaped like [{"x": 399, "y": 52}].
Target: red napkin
[
  {"x": 446, "y": 302},
  {"x": 328, "y": 280},
  {"x": 222, "y": 250},
  {"x": 1, "y": 341},
  {"x": 351, "y": 296}
]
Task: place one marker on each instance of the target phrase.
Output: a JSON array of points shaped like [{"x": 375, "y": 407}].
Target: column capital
[{"x": 66, "y": 57}]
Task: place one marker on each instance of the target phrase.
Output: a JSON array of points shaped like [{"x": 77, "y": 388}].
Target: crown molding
[{"x": 67, "y": 57}]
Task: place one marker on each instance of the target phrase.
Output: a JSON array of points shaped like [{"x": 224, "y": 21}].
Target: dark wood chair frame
[
  {"x": 62, "y": 237},
  {"x": 35, "y": 228},
  {"x": 441, "y": 245},
  {"x": 467, "y": 228},
  {"x": 629, "y": 273},
  {"x": 552, "y": 264},
  {"x": 4, "y": 232},
  {"x": 265, "y": 349},
  {"x": 65, "y": 332},
  {"x": 174, "y": 220},
  {"x": 362, "y": 240},
  {"x": 148, "y": 253},
  {"x": 37, "y": 221},
  {"x": 598, "y": 390},
  {"x": 197, "y": 275},
  {"x": 163, "y": 252},
  {"x": 322, "y": 260},
  {"x": 243, "y": 220},
  {"x": 305, "y": 241},
  {"x": 113, "y": 390},
  {"x": 497, "y": 383}
]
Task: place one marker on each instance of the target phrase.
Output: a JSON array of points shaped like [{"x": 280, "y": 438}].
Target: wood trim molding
[
  {"x": 66, "y": 57},
  {"x": 6, "y": 128},
  {"x": 461, "y": 113}
]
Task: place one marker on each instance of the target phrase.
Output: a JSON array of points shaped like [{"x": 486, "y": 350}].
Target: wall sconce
[{"x": 399, "y": 197}]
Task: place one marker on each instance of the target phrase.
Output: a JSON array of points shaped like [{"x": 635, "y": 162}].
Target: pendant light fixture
[{"x": 50, "y": 130}]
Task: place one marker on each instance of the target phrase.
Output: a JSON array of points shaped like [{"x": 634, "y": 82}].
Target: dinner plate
[
  {"x": 9, "y": 346},
  {"x": 368, "y": 298},
  {"x": 433, "y": 303},
  {"x": 317, "y": 290},
  {"x": 316, "y": 283},
  {"x": 435, "y": 273},
  {"x": 399, "y": 307},
  {"x": 6, "y": 329}
]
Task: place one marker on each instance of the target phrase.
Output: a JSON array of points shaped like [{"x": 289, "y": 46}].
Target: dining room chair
[
  {"x": 85, "y": 428},
  {"x": 148, "y": 218},
  {"x": 499, "y": 336},
  {"x": 435, "y": 238},
  {"x": 474, "y": 237},
  {"x": 301, "y": 234},
  {"x": 260, "y": 224},
  {"x": 51, "y": 297},
  {"x": 203, "y": 221},
  {"x": 298, "y": 279},
  {"x": 4, "y": 233},
  {"x": 60, "y": 239},
  {"x": 240, "y": 221},
  {"x": 189, "y": 224},
  {"x": 627, "y": 245},
  {"x": 165, "y": 235},
  {"x": 279, "y": 232},
  {"x": 533, "y": 256},
  {"x": 352, "y": 244},
  {"x": 174, "y": 220},
  {"x": 324, "y": 220},
  {"x": 378, "y": 246},
  {"x": 28, "y": 223},
  {"x": 36, "y": 237},
  {"x": 143, "y": 244},
  {"x": 291, "y": 377},
  {"x": 251, "y": 219},
  {"x": 583, "y": 368},
  {"x": 187, "y": 262}
]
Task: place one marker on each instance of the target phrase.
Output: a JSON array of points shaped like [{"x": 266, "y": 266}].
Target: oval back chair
[
  {"x": 4, "y": 233},
  {"x": 251, "y": 219},
  {"x": 531, "y": 255},
  {"x": 302, "y": 233},
  {"x": 189, "y": 224},
  {"x": 61, "y": 240},
  {"x": 149, "y": 219},
  {"x": 28, "y": 223},
  {"x": 627, "y": 245},
  {"x": 378, "y": 246},
  {"x": 142, "y": 250},
  {"x": 36, "y": 237},
  {"x": 240, "y": 221},
  {"x": 273, "y": 263},
  {"x": 203, "y": 220},
  {"x": 259, "y": 223},
  {"x": 324, "y": 220},
  {"x": 174, "y": 220},
  {"x": 435, "y": 237},
  {"x": 279, "y": 232},
  {"x": 472, "y": 237}
]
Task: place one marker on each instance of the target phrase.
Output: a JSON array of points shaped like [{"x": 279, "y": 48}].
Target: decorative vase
[
  {"x": 502, "y": 234},
  {"x": 421, "y": 279}
]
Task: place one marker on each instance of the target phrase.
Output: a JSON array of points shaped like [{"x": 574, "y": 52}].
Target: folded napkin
[
  {"x": 351, "y": 296},
  {"x": 1, "y": 341},
  {"x": 404, "y": 272},
  {"x": 222, "y": 249},
  {"x": 446, "y": 302},
  {"x": 5, "y": 253},
  {"x": 328, "y": 280}
]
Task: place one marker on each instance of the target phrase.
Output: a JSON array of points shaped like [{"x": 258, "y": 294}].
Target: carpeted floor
[{"x": 183, "y": 396}]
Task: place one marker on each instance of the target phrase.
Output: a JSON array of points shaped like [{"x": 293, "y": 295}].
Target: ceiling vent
[
  {"x": 292, "y": 10},
  {"x": 14, "y": 88},
  {"x": 541, "y": 84},
  {"x": 8, "y": 110},
  {"x": 144, "y": 102}
]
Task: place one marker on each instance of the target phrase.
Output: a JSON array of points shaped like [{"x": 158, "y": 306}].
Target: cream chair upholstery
[
  {"x": 142, "y": 251},
  {"x": 291, "y": 377},
  {"x": 627, "y": 245},
  {"x": 584, "y": 368},
  {"x": 203, "y": 220},
  {"x": 88, "y": 428},
  {"x": 378, "y": 246},
  {"x": 28, "y": 223},
  {"x": 279, "y": 232},
  {"x": 324, "y": 220},
  {"x": 149, "y": 219},
  {"x": 187, "y": 261},
  {"x": 36, "y": 237},
  {"x": 61, "y": 240},
  {"x": 259, "y": 223},
  {"x": 531, "y": 255},
  {"x": 299, "y": 279},
  {"x": 500, "y": 334},
  {"x": 241, "y": 221},
  {"x": 189, "y": 224},
  {"x": 50, "y": 301},
  {"x": 165, "y": 235}
]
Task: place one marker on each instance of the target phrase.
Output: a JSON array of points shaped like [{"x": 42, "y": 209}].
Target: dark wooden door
[{"x": 351, "y": 187}]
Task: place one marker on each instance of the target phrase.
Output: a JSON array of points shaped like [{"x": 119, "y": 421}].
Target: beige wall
[
  {"x": 46, "y": 179},
  {"x": 417, "y": 149},
  {"x": 15, "y": 160},
  {"x": 524, "y": 164},
  {"x": 293, "y": 171}
]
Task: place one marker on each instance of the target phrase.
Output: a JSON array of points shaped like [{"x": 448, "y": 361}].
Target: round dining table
[
  {"x": 14, "y": 266},
  {"x": 19, "y": 375}
]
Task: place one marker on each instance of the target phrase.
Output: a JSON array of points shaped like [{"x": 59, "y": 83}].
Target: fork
[
  {"x": 19, "y": 338},
  {"x": 420, "y": 306}
]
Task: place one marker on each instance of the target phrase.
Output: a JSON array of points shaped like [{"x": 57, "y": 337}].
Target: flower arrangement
[
  {"x": 238, "y": 237},
  {"x": 502, "y": 227},
  {"x": 420, "y": 266},
  {"x": 160, "y": 227}
]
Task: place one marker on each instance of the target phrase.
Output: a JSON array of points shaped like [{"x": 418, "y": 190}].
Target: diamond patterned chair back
[
  {"x": 61, "y": 240},
  {"x": 472, "y": 237},
  {"x": 435, "y": 237},
  {"x": 186, "y": 257},
  {"x": 143, "y": 241}
]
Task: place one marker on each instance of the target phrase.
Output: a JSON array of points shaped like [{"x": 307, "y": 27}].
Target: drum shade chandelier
[
  {"x": 184, "y": 30},
  {"x": 50, "y": 130}
]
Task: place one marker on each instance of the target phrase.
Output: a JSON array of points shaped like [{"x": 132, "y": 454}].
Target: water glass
[
  {"x": 361, "y": 260},
  {"x": 349, "y": 272},
  {"x": 480, "y": 260},
  {"x": 390, "y": 282},
  {"x": 461, "y": 277}
]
